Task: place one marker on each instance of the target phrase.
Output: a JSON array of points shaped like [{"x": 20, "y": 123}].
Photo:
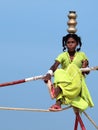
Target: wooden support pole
[
  {"x": 79, "y": 120},
  {"x": 76, "y": 123}
]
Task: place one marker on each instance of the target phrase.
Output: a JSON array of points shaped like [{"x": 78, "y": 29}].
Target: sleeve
[
  {"x": 59, "y": 58},
  {"x": 84, "y": 56}
]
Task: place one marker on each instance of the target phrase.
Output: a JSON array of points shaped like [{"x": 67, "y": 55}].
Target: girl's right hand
[{"x": 47, "y": 77}]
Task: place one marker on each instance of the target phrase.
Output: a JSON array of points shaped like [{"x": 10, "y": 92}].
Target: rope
[
  {"x": 33, "y": 110},
  {"x": 90, "y": 120},
  {"x": 45, "y": 110}
]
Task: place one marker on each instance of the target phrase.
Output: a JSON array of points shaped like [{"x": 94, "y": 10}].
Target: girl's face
[{"x": 71, "y": 44}]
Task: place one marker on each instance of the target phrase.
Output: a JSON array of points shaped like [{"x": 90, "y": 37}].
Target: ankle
[
  {"x": 57, "y": 91},
  {"x": 58, "y": 102}
]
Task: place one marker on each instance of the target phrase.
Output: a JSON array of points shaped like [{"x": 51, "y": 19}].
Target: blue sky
[{"x": 30, "y": 39}]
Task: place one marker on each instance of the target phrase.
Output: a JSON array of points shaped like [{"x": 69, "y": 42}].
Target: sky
[{"x": 31, "y": 34}]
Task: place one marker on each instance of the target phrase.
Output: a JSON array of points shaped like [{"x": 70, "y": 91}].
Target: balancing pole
[
  {"x": 22, "y": 80},
  {"x": 39, "y": 77}
]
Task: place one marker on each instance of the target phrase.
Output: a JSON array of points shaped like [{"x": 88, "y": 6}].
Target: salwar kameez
[{"x": 72, "y": 82}]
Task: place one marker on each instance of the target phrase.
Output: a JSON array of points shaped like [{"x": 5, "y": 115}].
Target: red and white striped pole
[
  {"x": 22, "y": 81},
  {"x": 39, "y": 77}
]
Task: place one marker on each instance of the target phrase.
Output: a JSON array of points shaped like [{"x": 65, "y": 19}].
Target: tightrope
[
  {"x": 32, "y": 110},
  {"x": 45, "y": 110}
]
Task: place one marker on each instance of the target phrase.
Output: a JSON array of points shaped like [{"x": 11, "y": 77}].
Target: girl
[{"x": 69, "y": 85}]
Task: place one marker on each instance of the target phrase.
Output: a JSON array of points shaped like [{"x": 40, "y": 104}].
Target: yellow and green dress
[{"x": 71, "y": 81}]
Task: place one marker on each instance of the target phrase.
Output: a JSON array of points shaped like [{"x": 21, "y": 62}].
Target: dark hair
[{"x": 75, "y": 37}]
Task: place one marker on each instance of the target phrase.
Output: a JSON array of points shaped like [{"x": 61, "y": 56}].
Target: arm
[
  {"x": 54, "y": 66},
  {"x": 85, "y": 63},
  {"x": 52, "y": 70}
]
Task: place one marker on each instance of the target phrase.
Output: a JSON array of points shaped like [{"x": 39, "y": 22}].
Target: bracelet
[{"x": 50, "y": 72}]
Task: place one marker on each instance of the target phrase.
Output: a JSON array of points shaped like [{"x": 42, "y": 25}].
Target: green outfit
[{"x": 71, "y": 81}]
